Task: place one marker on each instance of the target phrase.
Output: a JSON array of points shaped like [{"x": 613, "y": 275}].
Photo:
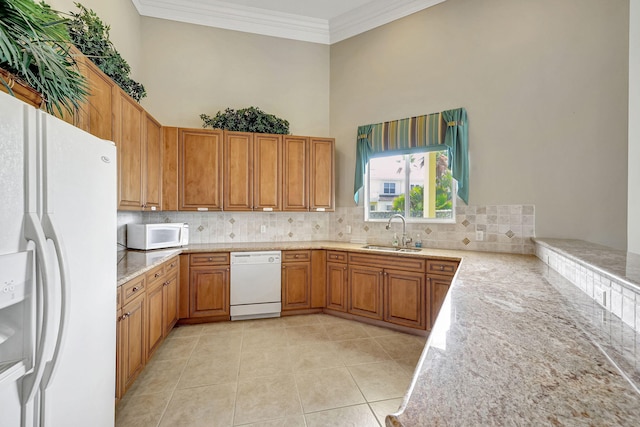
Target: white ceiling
[{"x": 318, "y": 21}]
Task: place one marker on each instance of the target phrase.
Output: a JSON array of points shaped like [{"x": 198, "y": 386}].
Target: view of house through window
[{"x": 417, "y": 185}]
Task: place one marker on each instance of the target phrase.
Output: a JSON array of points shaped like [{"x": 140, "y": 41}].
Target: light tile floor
[{"x": 312, "y": 370}]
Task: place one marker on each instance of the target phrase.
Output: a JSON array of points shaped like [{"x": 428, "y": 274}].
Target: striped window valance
[
  {"x": 406, "y": 134},
  {"x": 431, "y": 132}
]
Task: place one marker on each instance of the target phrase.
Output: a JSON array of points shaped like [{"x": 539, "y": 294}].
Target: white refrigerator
[{"x": 57, "y": 272}]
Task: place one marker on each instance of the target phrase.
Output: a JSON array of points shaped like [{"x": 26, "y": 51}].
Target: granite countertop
[
  {"x": 510, "y": 346},
  {"x": 620, "y": 265},
  {"x": 132, "y": 263}
]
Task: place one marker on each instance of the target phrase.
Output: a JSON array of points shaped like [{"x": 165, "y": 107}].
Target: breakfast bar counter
[{"x": 513, "y": 345}]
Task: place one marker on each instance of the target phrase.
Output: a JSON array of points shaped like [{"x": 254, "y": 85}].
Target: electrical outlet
[
  {"x": 348, "y": 229},
  {"x": 479, "y": 235},
  {"x": 263, "y": 229}
]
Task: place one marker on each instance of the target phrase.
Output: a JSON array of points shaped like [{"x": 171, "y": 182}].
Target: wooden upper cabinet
[
  {"x": 321, "y": 174},
  {"x": 153, "y": 175},
  {"x": 238, "y": 171},
  {"x": 97, "y": 116},
  {"x": 267, "y": 172},
  {"x": 296, "y": 174},
  {"x": 169, "y": 168},
  {"x": 129, "y": 119},
  {"x": 200, "y": 169}
]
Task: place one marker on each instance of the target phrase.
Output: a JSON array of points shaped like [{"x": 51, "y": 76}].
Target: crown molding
[
  {"x": 372, "y": 15},
  {"x": 221, "y": 14}
]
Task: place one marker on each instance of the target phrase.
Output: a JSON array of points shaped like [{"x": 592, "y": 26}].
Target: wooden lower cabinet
[
  {"x": 296, "y": 280},
  {"x": 365, "y": 291},
  {"x": 404, "y": 298},
  {"x": 209, "y": 291},
  {"x": 170, "y": 288},
  {"x": 155, "y": 318},
  {"x": 438, "y": 286},
  {"x": 337, "y": 279},
  {"x": 132, "y": 328}
]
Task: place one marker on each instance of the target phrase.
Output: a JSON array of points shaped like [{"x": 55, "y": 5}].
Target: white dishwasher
[{"x": 255, "y": 284}]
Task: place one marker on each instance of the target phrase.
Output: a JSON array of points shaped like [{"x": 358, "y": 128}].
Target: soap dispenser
[{"x": 395, "y": 239}]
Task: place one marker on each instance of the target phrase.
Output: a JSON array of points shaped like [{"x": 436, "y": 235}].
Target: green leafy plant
[
  {"x": 91, "y": 36},
  {"x": 250, "y": 119},
  {"x": 34, "y": 46}
]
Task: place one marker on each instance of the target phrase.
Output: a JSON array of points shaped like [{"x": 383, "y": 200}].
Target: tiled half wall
[{"x": 506, "y": 228}]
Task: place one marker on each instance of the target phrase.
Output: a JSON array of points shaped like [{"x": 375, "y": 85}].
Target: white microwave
[{"x": 157, "y": 236}]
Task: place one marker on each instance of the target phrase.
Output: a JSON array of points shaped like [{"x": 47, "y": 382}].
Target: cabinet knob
[
  {"x": 210, "y": 259},
  {"x": 441, "y": 267},
  {"x": 296, "y": 256},
  {"x": 173, "y": 264},
  {"x": 166, "y": 283},
  {"x": 124, "y": 316},
  {"x": 158, "y": 274},
  {"x": 135, "y": 289}
]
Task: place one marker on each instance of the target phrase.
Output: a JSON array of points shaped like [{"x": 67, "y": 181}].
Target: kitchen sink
[{"x": 390, "y": 248}]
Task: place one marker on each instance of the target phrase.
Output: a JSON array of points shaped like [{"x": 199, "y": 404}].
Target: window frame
[{"x": 406, "y": 190}]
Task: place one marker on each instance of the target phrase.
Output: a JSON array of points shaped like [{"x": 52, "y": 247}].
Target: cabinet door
[
  {"x": 170, "y": 301},
  {"x": 200, "y": 169},
  {"x": 438, "y": 288},
  {"x": 337, "y": 286},
  {"x": 97, "y": 116},
  {"x": 209, "y": 291},
  {"x": 365, "y": 291},
  {"x": 153, "y": 169},
  {"x": 129, "y": 117},
  {"x": 404, "y": 301},
  {"x": 295, "y": 181},
  {"x": 132, "y": 334},
  {"x": 321, "y": 174},
  {"x": 238, "y": 168},
  {"x": 296, "y": 286},
  {"x": 155, "y": 319},
  {"x": 267, "y": 172}
]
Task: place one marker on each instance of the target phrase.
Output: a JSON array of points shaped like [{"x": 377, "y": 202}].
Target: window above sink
[{"x": 417, "y": 185}]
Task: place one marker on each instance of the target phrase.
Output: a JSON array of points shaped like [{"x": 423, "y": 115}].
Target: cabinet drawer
[
  {"x": 172, "y": 265},
  {"x": 132, "y": 289},
  {"x": 213, "y": 258},
  {"x": 296, "y": 256},
  {"x": 335, "y": 256},
  {"x": 155, "y": 275},
  {"x": 442, "y": 267}
]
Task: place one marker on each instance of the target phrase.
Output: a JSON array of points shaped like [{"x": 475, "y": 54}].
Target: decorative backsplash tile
[{"x": 505, "y": 228}]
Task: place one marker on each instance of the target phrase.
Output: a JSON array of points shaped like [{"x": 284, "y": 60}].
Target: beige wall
[
  {"x": 633, "y": 233},
  {"x": 545, "y": 85},
  {"x": 190, "y": 69},
  {"x": 122, "y": 17}
]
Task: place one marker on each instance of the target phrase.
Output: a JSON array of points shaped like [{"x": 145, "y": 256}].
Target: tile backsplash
[{"x": 506, "y": 228}]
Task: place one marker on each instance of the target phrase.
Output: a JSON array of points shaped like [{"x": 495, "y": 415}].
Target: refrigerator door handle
[
  {"x": 50, "y": 231},
  {"x": 33, "y": 232}
]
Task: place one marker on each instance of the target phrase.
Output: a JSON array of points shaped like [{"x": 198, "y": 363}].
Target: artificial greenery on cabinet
[
  {"x": 251, "y": 119},
  {"x": 34, "y": 53},
  {"x": 91, "y": 36}
]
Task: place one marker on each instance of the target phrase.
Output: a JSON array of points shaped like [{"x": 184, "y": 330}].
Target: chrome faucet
[{"x": 405, "y": 240}]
